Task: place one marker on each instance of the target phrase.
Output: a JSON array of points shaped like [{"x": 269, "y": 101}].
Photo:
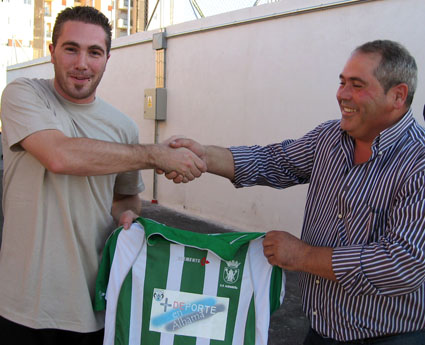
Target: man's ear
[
  {"x": 52, "y": 50},
  {"x": 399, "y": 94}
]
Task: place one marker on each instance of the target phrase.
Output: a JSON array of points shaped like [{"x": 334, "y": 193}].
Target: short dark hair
[
  {"x": 85, "y": 14},
  {"x": 396, "y": 66}
]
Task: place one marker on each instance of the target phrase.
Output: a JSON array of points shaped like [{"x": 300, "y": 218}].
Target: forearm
[
  {"x": 85, "y": 157},
  {"x": 102, "y": 158},
  {"x": 220, "y": 161}
]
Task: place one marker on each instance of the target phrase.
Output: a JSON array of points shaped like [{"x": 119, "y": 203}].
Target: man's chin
[
  {"x": 344, "y": 125},
  {"x": 82, "y": 96}
]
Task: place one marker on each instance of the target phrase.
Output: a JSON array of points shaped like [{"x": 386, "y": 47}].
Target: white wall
[{"x": 255, "y": 83}]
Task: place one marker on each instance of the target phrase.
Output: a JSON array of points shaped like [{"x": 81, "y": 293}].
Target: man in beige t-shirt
[{"x": 71, "y": 172}]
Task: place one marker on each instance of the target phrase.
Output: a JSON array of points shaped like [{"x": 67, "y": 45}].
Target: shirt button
[
  {"x": 380, "y": 153},
  {"x": 314, "y": 313},
  {"x": 317, "y": 281},
  {"x": 340, "y": 216}
]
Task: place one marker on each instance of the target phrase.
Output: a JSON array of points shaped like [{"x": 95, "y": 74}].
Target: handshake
[{"x": 183, "y": 159}]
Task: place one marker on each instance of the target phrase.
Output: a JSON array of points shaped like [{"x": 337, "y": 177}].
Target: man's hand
[
  {"x": 125, "y": 209},
  {"x": 180, "y": 162},
  {"x": 179, "y": 143},
  {"x": 126, "y": 219},
  {"x": 192, "y": 145},
  {"x": 285, "y": 250},
  {"x": 218, "y": 160}
]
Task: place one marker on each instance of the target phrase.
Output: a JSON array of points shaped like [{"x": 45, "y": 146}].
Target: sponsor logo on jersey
[
  {"x": 174, "y": 311},
  {"x": 202, "y": 261}
]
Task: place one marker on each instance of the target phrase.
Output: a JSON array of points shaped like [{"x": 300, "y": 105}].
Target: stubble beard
[{"x": 75, "y": 91}]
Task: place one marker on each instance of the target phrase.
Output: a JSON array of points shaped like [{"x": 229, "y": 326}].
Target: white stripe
[
  {"x": 261, "y": 270},
  {"x": 175, "y": 267},
  {"x": 139, "y": 271},
  {"x": 175, "y": 270},
  {"x": 212, "y": 275},
  {"x": 245, "y": 295},
  {"x": 129, "y": 244}
]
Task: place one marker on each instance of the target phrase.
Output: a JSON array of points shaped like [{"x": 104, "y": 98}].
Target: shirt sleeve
[
  {"x": 395, "y": 263},
  {"x": 25, "y": 111},
  {"x": 130, "y": 182},
  {"x": 279, "y": 165}
]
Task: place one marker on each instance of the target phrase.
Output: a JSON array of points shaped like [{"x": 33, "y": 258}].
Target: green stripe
[
  {"x": 232, "y": 291},
  {"x": 123, "y": 312},
  {"x": 275, "y": 289},
  {"x": 192, "y": 281},
  {"x": 249, "y": 338},
  {"x": 156, "y": 277}
]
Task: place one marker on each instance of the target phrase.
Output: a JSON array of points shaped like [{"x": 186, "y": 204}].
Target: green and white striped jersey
[{"x": 166, "y": 286}]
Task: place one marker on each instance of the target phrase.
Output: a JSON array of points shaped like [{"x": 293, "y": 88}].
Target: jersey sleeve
[
  {"x": 104, "y": 271},
  {"x": 277, "y": 288}
]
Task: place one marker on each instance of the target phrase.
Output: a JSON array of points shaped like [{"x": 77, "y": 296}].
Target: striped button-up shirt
[{"x": 372, "y": 214}]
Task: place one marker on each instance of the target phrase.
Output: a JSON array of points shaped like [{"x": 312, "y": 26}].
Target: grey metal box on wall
[{"x": 155, "y": 107}]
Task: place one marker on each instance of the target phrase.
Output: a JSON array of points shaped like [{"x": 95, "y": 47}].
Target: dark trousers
[
  {"x": 12, "y": 333},
  {"x": 412, "y": 338}
]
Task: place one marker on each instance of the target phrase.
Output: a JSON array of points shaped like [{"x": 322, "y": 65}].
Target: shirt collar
[
  {"x": 387, "y": 138},
  {"x": 391, "y": 135}
]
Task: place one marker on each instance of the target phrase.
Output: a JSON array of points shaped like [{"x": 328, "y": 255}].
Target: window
[{"x": 47, "y": 9}]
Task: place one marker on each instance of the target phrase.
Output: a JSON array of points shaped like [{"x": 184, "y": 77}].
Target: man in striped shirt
[{"x": 361, "y": 256}]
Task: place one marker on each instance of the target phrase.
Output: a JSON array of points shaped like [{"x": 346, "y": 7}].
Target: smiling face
[
  {"x": 79, "y": 59},
  {"x": 365, "y": 108}
]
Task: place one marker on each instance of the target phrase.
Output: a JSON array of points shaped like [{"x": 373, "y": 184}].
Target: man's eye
[
  {"x": 96, "y": 53},
  {"x": 70, "y": 49}
]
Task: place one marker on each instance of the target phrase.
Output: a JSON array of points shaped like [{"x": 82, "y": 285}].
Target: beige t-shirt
[{"x": 55, "y": 226}]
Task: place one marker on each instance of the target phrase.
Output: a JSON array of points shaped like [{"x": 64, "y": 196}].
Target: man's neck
[{"x": 362, "y": 151}]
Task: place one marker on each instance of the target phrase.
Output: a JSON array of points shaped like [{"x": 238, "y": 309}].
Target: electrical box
[
  {"x": 159, "y": 41},
  {"x": 155, "y": 104}
]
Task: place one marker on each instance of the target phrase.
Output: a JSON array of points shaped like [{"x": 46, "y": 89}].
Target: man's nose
[
  {"x": 344, "y": 92},
  {"x": 81, "y": 62}
]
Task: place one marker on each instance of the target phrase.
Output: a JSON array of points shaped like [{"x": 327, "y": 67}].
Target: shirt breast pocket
[
  {"x": 366, "y": 224},
  {"x": 376, "y": 224}
]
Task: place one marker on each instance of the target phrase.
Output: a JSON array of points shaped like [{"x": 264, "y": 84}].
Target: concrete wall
[{"x": 252, "y": 83}]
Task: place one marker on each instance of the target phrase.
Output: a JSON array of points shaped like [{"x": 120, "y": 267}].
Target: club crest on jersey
[
  {"x": 231, "y": 272},
  {"x": 158, "y": 295}
]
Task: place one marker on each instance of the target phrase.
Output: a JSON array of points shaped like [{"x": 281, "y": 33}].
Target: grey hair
[{"x": 396, "y": 66}]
